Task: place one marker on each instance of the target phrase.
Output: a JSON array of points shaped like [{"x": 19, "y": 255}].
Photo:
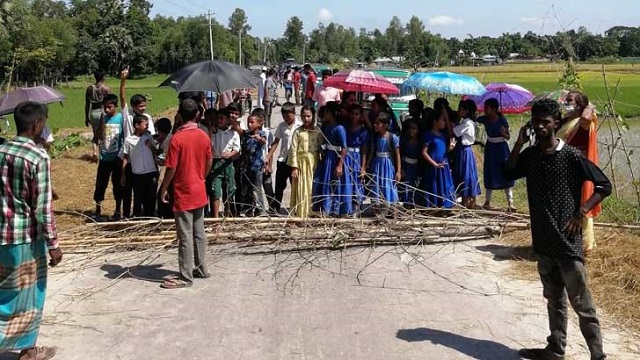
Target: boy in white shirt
[
  {"x": 137, "y": 151},
  {"x": 226, "y": 146}
]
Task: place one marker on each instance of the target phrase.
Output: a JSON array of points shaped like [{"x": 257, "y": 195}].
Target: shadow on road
[
  {"x": 151, "y": 273},
  {"x": 477, "y": 349},
  {"x": 503, "y": 252}
]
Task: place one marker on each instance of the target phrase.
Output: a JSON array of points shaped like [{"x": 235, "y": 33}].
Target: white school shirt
[
  {"x": 127, "y": 118},
  {"x": 270, "y": 138},
  {"x": 224, "y": 141},
  {"x": 284, "y": 132},
  {"x": 46, "y": 135},
  {"x": 466, "y": 131},
  {"x": 140, "y": 156}
]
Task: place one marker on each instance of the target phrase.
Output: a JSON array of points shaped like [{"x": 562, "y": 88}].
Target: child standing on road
[
  {"x": 356, "y": 161},
  {"x": 385, "y": 151},
  {"x": 330, "y": 180},
  {"x": 137, "y": 152},
  {"x": 496, "y": 153},
  {"x": 226, "y": 145},
  {"x": 465, "y": 173},
  {"x": 303, "y": 159},
  {"x": 410, "y": 149},
  {"x": 437, "y": 181},
  {"x": 252, "y": 167},
  {"x": 110, "y": 137}
]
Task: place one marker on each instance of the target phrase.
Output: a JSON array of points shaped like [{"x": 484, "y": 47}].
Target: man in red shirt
[
  {"x": 188, "y": 163},
  {"x": 296, "y": 84},
  {"x": 310, "y": 86}
]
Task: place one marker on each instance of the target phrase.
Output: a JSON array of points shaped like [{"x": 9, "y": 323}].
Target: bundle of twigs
[{"x": 416, "y": 227}]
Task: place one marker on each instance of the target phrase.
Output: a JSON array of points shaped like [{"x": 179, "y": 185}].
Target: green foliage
[
  {"x": 570, "y": 79},
  {"x": 61, "y": 145}
]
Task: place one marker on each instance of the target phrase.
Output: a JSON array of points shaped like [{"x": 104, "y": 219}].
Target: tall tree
[{"x": 294, "y": 39}]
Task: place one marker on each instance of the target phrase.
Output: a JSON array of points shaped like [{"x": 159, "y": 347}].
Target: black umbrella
[{"x": 212, "y": 75}]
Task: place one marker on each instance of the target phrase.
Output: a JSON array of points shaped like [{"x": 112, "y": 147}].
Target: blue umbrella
[{"x": 445, "y": 82}]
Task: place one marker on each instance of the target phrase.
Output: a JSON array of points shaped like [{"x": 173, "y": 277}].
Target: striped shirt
[{"x": 25, "y": 194}]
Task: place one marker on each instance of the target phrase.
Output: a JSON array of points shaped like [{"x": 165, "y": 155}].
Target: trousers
[
  {"x": 192, "y": 244},
  {"x": 562, "y": 278}
]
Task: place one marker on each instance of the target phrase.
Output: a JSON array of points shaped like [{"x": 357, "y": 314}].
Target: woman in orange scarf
[{"x": 579, "y": 129}]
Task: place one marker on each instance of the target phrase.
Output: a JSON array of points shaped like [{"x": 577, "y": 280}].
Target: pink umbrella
[{"x": 361, "y": 81}]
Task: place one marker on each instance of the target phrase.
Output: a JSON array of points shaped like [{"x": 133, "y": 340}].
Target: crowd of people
[{"x": 334, "y": 158}]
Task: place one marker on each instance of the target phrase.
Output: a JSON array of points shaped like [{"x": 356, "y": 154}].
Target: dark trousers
[
  {"x": 108, "y": 169},
  {"x": 283, "y": 173},
  {"x": 145, "y": 187},
  {"x": 562, "y": 278},
  {"x": 127, "y": 191},
  {"x": 165, "y": 210}
]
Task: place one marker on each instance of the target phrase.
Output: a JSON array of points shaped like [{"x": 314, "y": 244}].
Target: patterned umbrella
[
  {"x": 445, "y": 82},
  {"x": 361, "y": 81},
  {"x": 513, "y": 99},
  {"x": 558, "y": 95},
  {"x": 42, "y": 94}
]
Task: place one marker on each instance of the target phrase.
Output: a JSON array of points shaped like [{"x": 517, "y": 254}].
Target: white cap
[{"x": 264, "y": 68}]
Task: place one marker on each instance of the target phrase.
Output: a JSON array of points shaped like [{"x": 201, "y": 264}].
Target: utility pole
[
  {"x": 240, "y": 47},
  {"x": 209, "y": 13},
  {"x": 266, "y": 44},
  {"x": 304, "y": 49}
]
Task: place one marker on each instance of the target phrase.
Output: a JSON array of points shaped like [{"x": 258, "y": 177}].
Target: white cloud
[
  {"x": 325, "y": 15},
  {"x": 444, "y": 20}
]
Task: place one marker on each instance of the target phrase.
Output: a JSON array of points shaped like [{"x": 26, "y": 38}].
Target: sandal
[
  {"x": 175, "y": 283},
  {"x": 43, "y": 352}
]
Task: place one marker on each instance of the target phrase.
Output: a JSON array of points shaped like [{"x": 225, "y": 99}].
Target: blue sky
[{"x": 451, "y": 18}]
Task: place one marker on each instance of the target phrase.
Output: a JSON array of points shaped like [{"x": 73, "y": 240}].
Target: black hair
[
  {"x": 313, "y": 112},
  {"x": 470, "y": 106},
  {"x": 210, "y": 111},
  {"x": 432, "y": 118},
  {"x": 188, "y": 110},
  {"x": 494, "y": 104},
  {"x": 326, "y": 72},
  {"x": 546, "y": 108},
  {"x": 258, "y": 111},
  {"x": 234, "y": 106},
  {"x": 417, "y": 103},
  {"x": 27, "y": 113},
  {"x": 332, "y": 108},
  {"x": 426, "y": 111},
  {"x": 224, "y": 112},
  {"x": 163, "y": 125},
  {"x": 270, "y": 72},
  {"x": 138, "y": 119},
  {"x": 580, "y": 98},
  {"x": 287, "y": 108},
  {"x": 384, "y": 118},
  {"x": 110, "y": 99},
  {"x": 441, "y": 102},
  {"x": 384, "y": 104},
  {"x": 346, "y": 94},
  {"x": 98, "y": 76},
  {"x": 355, "y": 107},
  {"x": 335, "y": 70},
  {"x": 137, "y": 99}
]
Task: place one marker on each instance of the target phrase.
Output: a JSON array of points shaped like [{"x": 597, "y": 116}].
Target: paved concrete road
[{"x": 449, "y": 301}]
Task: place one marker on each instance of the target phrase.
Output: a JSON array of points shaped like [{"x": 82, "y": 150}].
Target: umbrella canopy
[
  {"x": 212, "y": 75},
  {"x": 445, "y": 82},
  {"x": 558, "y": 95},
  {"x": 42, "y": 94},
  {"x": 361, "y": 81},
  {"x": 513, "y": 99}
]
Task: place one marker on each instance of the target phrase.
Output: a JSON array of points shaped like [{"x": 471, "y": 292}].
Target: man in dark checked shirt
[{"x": 555, "y": 173}]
